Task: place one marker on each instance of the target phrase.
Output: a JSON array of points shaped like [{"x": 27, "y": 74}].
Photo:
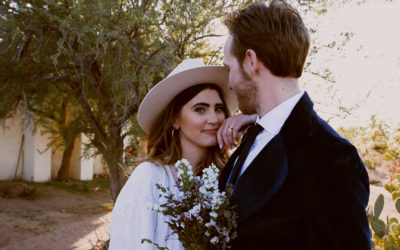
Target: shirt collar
[{"x": 274, "y": 119}]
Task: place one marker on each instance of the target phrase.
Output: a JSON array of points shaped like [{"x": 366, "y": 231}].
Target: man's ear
[{"x": 253, "y": 62}]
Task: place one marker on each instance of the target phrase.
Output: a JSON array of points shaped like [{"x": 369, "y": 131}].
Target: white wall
[
  {"x": 99, "y": 166},
  {"x": 36, "y": 163},
  {"x": 10, "y": 143},
  {"x": 37, "y": 157},
  {"x": 81, "y": 167}
]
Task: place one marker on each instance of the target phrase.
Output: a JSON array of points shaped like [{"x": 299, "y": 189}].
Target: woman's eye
[
  {"x": 219, "y": 109},
  {"x": 199, "y": 110}
]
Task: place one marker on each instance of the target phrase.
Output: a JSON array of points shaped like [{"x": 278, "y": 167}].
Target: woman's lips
[{"x": 210, "y": 131}]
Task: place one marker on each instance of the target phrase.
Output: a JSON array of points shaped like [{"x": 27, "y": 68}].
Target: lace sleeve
[{"x": 132, "y": 216}]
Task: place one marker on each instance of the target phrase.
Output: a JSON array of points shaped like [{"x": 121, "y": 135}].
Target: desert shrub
[
  {"x": 18, "y": 190},
  {"x": 378, "y": 145}
]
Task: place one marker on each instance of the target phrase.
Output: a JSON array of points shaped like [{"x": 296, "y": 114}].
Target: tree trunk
[
  {"x": 114, "y": 159},
  {"x": 116, "y": 176},
  {"x": 66, "y": 160}
]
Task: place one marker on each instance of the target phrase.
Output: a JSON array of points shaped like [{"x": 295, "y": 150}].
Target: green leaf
[
  {"x": 227, "y": 214},
  {"x": 394, "y": 227},
  {"x": 391, "y": 187},
  {"x": 395, "y": 195},
  {"x": 392, "y": 240},
  {"x": 379, "y": 205},
  {"x": 393, "y": 220},
  {"x": 397, "y": 203},
  {"x": 379, "y": 227}
]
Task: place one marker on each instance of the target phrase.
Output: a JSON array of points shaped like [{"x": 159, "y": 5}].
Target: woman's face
[{"x": 199, "y": 119}]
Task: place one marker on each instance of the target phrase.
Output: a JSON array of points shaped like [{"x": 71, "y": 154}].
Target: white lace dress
[{"x": 132, "y": 216}]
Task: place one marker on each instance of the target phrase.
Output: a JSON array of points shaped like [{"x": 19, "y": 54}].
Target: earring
[{"x": 173, "y": 132}]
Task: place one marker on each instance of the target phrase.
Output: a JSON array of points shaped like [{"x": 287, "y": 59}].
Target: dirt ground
[
  {"x": 76, "y": 215},
  {"x": 53, "y": 216}
]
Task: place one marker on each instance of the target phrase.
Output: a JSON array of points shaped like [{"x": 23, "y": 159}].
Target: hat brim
[{"x": 164, "y": 92}]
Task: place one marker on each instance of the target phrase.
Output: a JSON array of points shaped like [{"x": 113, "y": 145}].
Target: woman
[{"x": 181, "y": 116}]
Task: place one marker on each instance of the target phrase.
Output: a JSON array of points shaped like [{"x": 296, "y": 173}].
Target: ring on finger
[{"x": 230, "y": 128}]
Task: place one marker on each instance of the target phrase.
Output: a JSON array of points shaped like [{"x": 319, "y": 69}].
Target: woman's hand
[{"x": 228, "y": 132}]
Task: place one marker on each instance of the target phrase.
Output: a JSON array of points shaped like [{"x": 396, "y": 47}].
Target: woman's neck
[{"x": 194, "y": 155}]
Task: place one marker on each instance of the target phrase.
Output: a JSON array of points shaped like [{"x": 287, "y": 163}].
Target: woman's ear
[{"x": 175, "y": 124}]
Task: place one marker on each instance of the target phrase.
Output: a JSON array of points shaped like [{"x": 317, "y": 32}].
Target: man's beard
[{"x": 247, "y": 93}]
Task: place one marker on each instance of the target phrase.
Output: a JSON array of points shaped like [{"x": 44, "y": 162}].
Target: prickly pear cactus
[{"x": 386, "y": 235}]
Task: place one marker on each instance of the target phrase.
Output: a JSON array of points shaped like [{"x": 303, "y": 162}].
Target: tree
[{"x": 99, "y": 58}]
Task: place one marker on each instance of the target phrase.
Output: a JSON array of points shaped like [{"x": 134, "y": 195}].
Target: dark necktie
[{"x": 248, "y": 141}]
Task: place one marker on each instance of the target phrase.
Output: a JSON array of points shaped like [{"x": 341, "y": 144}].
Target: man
[{"x": 298, "y": 184}]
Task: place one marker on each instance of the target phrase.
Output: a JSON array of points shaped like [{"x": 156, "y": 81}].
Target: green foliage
[
  {"x": 19, "y": 189},
  {"x": 84, "y": 188},
  {"x": 84, "y": 66},
  {"x": 378, "y": 206},
  {"x": 378, "y": 226},
  {"x": 386, "y": 235},
  {"x": 395, "y": 195},
  {"x": 377, "y": 143},
  {"x": 397, "y": 204}
]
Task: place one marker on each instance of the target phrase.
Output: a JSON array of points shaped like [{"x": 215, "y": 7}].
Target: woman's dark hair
[{"x": 163, "y": 144}]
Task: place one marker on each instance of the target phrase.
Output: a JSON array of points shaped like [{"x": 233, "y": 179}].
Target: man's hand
[{"x": 228, "y": 132}]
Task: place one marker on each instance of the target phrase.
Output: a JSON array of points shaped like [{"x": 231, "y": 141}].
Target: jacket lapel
[
  {"x": 262, "y": 179},
  {"x": 268, "y": 171},
  {"x": 227, "y": 169}
]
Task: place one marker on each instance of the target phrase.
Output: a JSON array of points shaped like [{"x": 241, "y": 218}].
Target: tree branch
[{"x": 23, "y": 47}]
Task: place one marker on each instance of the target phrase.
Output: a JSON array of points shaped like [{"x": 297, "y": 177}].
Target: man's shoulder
[
  {"x": 332, "y": 148},
  {"x": 326, "y": 135}
]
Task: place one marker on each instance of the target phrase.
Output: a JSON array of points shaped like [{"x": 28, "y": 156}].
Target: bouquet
[{"x": 200, "y": 215}]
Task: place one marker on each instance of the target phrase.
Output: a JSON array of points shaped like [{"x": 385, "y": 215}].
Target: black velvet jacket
[{"x": 307, "y": 189}]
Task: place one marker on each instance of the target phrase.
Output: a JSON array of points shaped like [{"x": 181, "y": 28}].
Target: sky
[{"x": 366, "y": 68}]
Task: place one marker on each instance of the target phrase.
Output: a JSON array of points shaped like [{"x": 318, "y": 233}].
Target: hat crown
[
  {"x": 187, "y": 65},
  {"x": 188, "y": 73}
]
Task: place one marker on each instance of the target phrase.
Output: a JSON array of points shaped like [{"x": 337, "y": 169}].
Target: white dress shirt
[{"x": 272, "y": 123}]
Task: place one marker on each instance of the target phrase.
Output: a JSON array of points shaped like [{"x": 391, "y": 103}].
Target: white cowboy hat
[{"x": 188, "y": 73}]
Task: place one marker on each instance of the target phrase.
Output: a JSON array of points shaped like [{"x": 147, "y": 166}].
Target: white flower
[
  {"x": 207, "y": 202},
  {"x": 195, "y": 210},
  {"x": 221, "y": 199},
  {"x": 156, "y": 207},
  {"x": 214, "y": 240},
  {"x": 184, "y": 161},
  {"x": 211, "y": 223},
  {"x": 213, "y": 214}
]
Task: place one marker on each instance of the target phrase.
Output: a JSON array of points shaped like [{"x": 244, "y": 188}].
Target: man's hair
[{"x": 275, "y": 32}]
